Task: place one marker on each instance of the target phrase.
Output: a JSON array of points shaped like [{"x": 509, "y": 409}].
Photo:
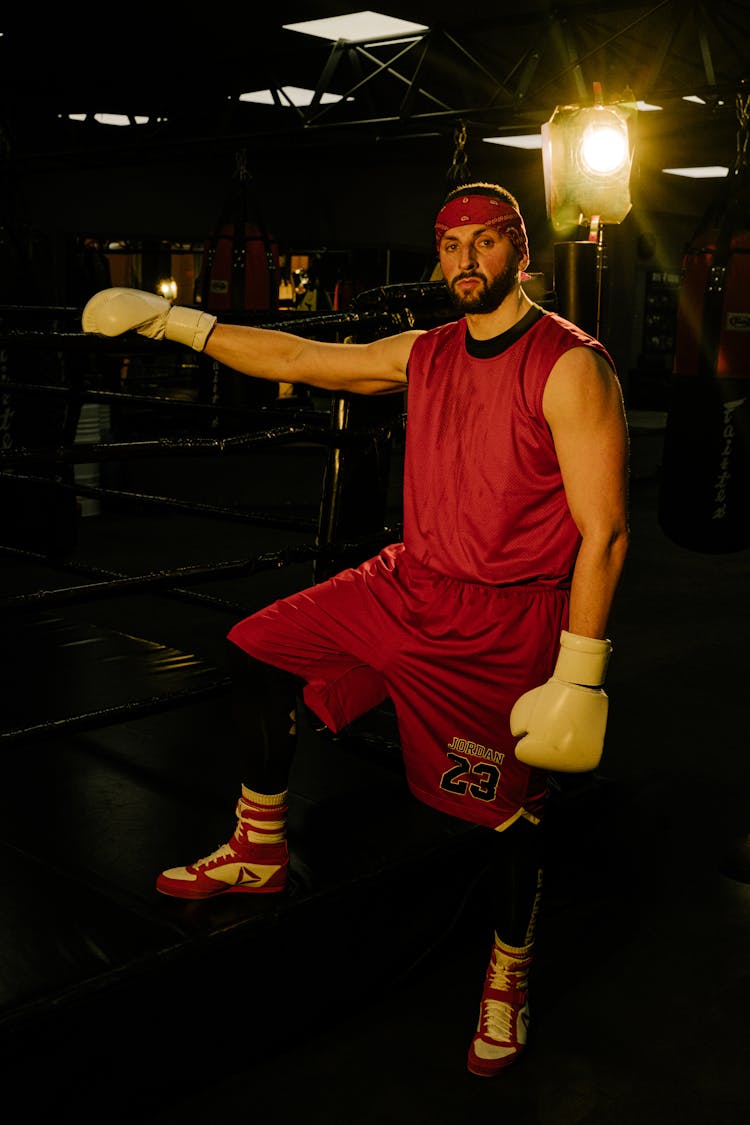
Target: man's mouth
[{"x": 467, "y": 281}]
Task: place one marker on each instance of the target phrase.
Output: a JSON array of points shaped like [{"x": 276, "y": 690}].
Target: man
[{"x": 488, "y": 622}]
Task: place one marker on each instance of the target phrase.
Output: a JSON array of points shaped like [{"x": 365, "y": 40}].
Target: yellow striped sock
[{"x": 262, "y": 816}]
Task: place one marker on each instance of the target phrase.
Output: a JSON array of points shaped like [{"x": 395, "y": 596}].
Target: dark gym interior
[{"x": 151, "y": 498}]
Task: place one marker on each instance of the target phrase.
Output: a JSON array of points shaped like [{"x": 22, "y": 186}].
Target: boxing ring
[
  {"x": 39, "y": 462},
  {"x": 115, "y": 735}
]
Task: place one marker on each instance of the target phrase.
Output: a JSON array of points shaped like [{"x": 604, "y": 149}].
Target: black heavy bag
[{"x": 704, "y": 500}]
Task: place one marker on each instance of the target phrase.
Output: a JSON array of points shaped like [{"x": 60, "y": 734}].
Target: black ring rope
[
  {"x": 126, "y": 398},
  {"x": 169, "y": 503},
  {"x": 85, "y": 452},
  {"x": 114, "y": 584},
  {"x": 120, "y": 713},
  {"x": 309, "y": 325}
]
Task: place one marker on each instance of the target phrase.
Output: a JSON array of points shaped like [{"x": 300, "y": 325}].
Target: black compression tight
[
  {"x": 515, "y": 876},
  {"x": 264, "y": 701}
]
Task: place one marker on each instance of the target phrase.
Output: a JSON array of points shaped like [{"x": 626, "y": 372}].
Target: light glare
[{"x": 604, "y": 149}]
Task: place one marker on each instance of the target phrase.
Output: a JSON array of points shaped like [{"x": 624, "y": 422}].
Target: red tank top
[{"x": 483, "y": 494}]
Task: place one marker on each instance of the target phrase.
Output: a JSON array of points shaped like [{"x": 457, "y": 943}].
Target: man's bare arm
[
  {"x": 584, "y": 407},
  {"x": 375, "y": 368}
]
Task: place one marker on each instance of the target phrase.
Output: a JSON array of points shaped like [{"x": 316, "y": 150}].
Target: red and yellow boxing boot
[
  {"x": 254, "y": 861},
  {"x": 504, "y": 1011}
]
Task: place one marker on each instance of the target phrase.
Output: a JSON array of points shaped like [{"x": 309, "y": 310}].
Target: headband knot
[{"x": 486, "y": 211}]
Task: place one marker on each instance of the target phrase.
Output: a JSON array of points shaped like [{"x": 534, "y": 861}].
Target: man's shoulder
[
  {"x": 440, "y": 337},
  {"x": 554, "y": 324},
  {"x": 567, "y": 335},
  {"x": 444, "y": 333}
]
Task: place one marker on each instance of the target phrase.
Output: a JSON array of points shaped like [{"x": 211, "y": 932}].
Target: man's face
[{"x": 480, "y": 267}]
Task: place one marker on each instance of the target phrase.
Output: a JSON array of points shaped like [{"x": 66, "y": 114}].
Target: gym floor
[{"x": 641, "y": 986}]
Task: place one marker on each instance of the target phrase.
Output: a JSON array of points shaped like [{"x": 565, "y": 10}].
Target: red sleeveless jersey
[{"x": 483, "y": 494}]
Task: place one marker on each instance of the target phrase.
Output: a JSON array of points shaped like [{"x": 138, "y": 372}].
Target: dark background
[{"x": 357, "y": 182}]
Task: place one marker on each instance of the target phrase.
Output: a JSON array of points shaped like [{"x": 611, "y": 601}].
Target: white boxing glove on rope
[
  {"x": 563, "y": 722},
  {"x": 112, "y": 312}
]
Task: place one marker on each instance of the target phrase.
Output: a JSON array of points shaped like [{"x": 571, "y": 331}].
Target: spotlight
[{"x": 587, "y": 157}]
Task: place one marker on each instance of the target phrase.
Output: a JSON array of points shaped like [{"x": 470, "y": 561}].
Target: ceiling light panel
[
  {"x": 288, "y": 95},
  {"x": 357, "y": 27},
  {"x": 525, "y": 140},
  {"x": 707, "y": 172}
]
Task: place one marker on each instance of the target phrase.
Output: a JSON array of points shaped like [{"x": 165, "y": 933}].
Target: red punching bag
[
  {"x": 242, "y": 266},
  {"x": 241, "y": 259},
  {"x": 704, "y": 498}
]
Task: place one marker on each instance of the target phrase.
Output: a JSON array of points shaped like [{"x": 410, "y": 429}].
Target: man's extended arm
[{"x": 375, "y": 368}]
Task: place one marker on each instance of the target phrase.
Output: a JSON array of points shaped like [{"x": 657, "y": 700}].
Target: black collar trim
[{"x": 488, "y": 349}]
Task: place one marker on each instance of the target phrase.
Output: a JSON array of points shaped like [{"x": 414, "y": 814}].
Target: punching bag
[
  {"x": 704, "y": 499},
  {"x": 241, "y": 258},
  {"x": 242, "y": 265}
]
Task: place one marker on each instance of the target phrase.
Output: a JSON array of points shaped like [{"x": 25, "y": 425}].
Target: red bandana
[{"x": 486, "y": 211}]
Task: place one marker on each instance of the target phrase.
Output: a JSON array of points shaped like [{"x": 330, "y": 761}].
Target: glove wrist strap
[
  {"x": 190, "y": 327},
  {"x": 582, "y": 660}
]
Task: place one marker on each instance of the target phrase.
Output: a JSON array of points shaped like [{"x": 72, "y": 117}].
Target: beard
[{"x": 489, "y": 297}]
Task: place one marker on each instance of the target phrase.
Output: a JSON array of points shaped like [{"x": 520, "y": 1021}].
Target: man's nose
[{"x": 467, "y": 258}]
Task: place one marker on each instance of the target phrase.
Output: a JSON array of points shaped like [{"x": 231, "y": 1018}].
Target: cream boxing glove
[
  {"x": 114, "y": 311},
  {"x": 563, "y": 721}
]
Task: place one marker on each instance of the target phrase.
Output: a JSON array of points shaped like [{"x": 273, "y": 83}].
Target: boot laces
[
  {"x": 225, "y": 851},
  {"x": 498, "y": 1015},
  {"x": 498, "y": 1020},
  {"x": 502, "y": 978}
]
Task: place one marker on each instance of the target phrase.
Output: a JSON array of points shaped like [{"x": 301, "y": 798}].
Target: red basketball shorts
[{"x": 452, "y": 656}]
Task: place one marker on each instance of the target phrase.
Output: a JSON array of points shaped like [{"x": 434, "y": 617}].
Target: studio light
[
  {"x": 587, "y": 155},
  {"x": 587, "y": 158}
]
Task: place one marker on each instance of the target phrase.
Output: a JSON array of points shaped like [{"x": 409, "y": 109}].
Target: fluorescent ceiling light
[
  {"x": 645, "y": 107},
  {"x": 109, "y": 118},
  {"x": 526, "y": 140},
  {"x": 709, "y": 172},
  {"x": 700, "y": 101},
  {"x": 357, "y": 27},
  {"x": 292, "y": 95}
]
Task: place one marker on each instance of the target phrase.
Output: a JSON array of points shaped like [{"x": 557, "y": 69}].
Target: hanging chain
[
  {"x": 743, "y": 120},
  {"x": 458, "y": 173},
  {"x": 240, "y": 165}
]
